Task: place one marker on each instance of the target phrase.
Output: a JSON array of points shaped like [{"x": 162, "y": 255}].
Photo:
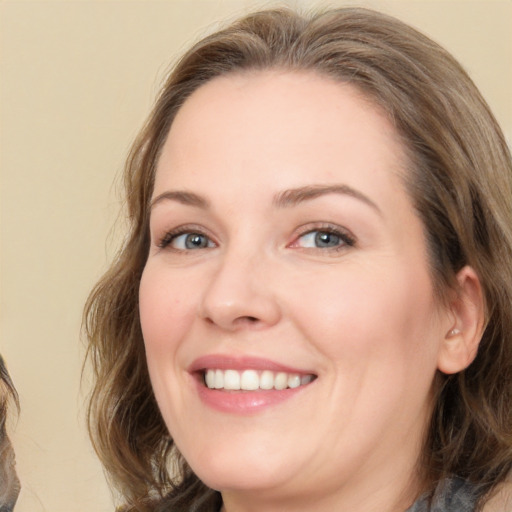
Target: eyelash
[
  {"x": 170, "y": 236},
  {"x": 346, "y": 238}
]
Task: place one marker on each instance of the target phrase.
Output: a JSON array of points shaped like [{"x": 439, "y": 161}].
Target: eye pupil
[
  {"x": 325, "y": 239},
  {"x": 196, "y": 241}
]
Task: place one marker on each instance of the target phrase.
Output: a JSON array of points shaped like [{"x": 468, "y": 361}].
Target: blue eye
[
  {"x": 324, "y": 239},
  {"x": 186, "y": 241}
]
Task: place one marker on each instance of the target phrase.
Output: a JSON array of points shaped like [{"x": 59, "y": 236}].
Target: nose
[{"x": 240, "y": 295}]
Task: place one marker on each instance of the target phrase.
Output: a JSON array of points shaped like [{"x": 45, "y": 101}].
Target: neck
[{"x": 381, "y": 497}]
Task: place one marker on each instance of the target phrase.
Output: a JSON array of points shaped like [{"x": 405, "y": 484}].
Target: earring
[{"x": 454, "y": 332}]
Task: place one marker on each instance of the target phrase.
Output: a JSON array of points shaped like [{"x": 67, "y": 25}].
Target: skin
[{"x": 362, "y": 317}]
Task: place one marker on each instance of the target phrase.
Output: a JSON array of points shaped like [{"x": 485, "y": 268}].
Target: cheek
[
  {"x": 165, "y": 313},
  {"x": 365, "y": 314},
  {"x": 165, "y": 308}
]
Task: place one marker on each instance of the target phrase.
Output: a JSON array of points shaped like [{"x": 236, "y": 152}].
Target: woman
[
  {"x": 312, "y": 310},
  {"x": 9, "y": 483}
]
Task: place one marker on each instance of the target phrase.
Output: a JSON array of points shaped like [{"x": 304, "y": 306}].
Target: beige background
[{"x": 77, "y": 79}]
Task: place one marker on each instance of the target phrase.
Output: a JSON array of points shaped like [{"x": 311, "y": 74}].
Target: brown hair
[
  {"x": 460, "y": 180},
  {"x": 9, "y": 483}
]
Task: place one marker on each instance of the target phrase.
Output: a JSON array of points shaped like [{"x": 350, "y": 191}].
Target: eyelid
[
  {"x": 163, "y": 242},
  {"x": 348, "y": 238}
]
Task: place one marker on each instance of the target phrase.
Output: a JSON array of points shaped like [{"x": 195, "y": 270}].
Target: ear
[{"x": 467, "y": 310}]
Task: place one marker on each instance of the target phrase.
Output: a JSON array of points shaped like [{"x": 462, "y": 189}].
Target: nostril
[
  {"x": 238, "y": 321},
  {"x": 246, "y": 320}
]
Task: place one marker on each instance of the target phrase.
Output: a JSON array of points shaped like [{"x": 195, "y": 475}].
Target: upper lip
[{"x": 229, "y": 362}]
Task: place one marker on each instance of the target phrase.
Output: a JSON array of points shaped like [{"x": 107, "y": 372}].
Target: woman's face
[{"x": 286, "y": 254}]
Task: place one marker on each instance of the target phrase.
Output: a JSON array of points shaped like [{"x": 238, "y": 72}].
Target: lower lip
[{"x": 245, "y": 402}]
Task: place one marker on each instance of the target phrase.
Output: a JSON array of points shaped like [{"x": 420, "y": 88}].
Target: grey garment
[{"x": 452, "y": 495}]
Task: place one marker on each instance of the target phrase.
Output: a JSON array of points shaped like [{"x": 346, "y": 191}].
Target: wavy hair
[
  {"x": 459, "y": 179},
  {"x": 9, "y": 483}
]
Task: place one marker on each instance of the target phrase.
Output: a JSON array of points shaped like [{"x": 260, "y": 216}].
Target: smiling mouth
[{"x": 253, "y": 380}]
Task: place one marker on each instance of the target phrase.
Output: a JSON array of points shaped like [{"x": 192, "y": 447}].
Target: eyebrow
[
  {"x": 284, "y": 199},
  {"x": 183, "y": 197},
  {"x": 295, "y": 196}
]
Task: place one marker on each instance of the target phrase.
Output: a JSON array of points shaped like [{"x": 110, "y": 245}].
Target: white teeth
[
  {"x": 281, "y": 381},
  {"x": 219, "y": 379},
  {"x": 210, "y": 379},
  {"x": 231, "y": 380},
  {"x": 251, "y": 380},
  {"x": 267, "y": 380},
  {"x": 293, "y": 381}
]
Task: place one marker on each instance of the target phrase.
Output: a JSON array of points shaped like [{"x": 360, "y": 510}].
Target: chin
[
  {"x": 240, "y": 477},
  {"x": 240, "y": 470}
]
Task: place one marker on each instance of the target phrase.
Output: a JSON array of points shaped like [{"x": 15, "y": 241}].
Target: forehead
[{"x": 275, "y": 122}]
